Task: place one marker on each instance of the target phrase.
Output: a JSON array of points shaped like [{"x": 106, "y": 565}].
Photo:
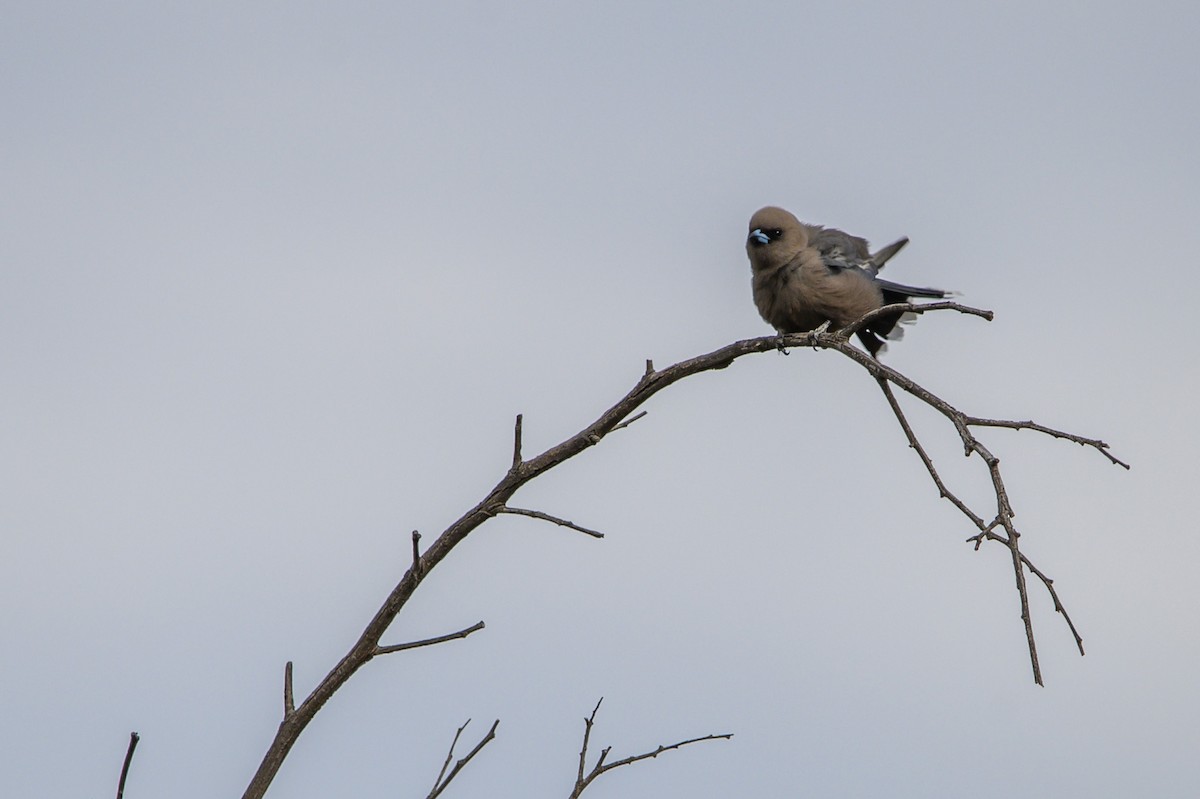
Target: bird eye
[{"x": 775, "y": 233}]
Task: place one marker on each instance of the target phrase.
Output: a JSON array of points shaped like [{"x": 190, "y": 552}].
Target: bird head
[{"x": 775, "y": 236}]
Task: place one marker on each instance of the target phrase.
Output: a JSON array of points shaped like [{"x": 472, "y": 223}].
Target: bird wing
[{"x": 839, "y": 250}]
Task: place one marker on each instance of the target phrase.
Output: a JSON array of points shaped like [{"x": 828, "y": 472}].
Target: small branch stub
[
  {"x": 629, "y": 421},
  {"x": 289, "y": 702},
  {"x": 516, "y": 461},
  {"x": 133, "y": 742}
]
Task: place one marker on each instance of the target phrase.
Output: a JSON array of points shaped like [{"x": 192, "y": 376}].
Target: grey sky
[{"x": 276, "y": 279}]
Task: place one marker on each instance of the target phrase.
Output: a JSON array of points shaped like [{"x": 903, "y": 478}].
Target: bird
[{"x": 808, "y": 276}]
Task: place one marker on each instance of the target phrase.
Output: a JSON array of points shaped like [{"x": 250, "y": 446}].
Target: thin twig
[
  {"x": 133, "y": 742},
  {"x": 582, "y": 781},
  {"x": 629, "y": 421},
  {"x": 449, "y": 756},
  {"x": 439, "y": 784},
  {"x": 912, "y": 307},
  {"x": 441, "y": 639},
  {"x": 943, "y": 491},
  {"x": 546, "y": 517},
  {"x": 1100, "y": 446},
  {"x": 587, "y": 734},
  {"x": 416, "y": 552}
]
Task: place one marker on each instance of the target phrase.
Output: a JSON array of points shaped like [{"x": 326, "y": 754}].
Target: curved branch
[{"x": 616, "y": 417}]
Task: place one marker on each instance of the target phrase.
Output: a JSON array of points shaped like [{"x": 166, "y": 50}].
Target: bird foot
[
  {"x": 779, "y": 344},
  {"x": 822, "y": 328}
]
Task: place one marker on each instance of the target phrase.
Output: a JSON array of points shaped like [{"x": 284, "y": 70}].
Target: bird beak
[{"x": 758, "y": 237}]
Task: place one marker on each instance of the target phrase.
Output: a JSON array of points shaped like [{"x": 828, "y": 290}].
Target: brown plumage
[{"x": 806, "y": 275}]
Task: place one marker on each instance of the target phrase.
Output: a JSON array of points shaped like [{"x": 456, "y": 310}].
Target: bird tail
[{"x": 885, "y": 254}]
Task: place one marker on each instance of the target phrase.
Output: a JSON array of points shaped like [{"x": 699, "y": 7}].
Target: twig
[
  {"x": 387, "y": 650},
  {"x": 629, "y": 421},
  {"x": 439, "y": 784},
  {"x": 133, "y": 742},
  {"x": 546, "y": 517},
  {"x": 582, "y": 781},
  {"x": 944, "y": 492},
  {"x": 1100, "y": 446},
  {"x": 912, "y": 307}
]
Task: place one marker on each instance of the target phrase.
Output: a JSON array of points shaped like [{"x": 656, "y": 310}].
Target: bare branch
[
  {"x": 289, "y": 701},
  {"x": 582, "y": 781},
  {"x": 133, "y": 742},
  {"x": 546, "y": 517},
  {"x": 439, "y": 784},
  {"x": 1004, "y": 511},
  {"x": 587, "y": 734},
  {"x": 975, "y": 421},
  {"x": 648, "y": 384},
  {"x": 988, "y": 535},
  {"x": 441, "y": 639}
]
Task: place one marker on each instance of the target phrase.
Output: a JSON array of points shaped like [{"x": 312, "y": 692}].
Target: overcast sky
[{"x": 275, "y": 278}]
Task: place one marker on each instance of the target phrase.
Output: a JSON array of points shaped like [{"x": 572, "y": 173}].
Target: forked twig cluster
[{"x": 585, "y": 778}]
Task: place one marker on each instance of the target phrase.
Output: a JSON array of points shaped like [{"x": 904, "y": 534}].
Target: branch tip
[
  {"x": 441, "y": 639},
  {"x": 629, "y": 421},
  {"x": 133, "y": 742},
  {"x": 516, "y": 461},
  {"x": 546, "y": 517},
  {"x": 289, "y": 703},
  {"x": 416, "y": 552}
]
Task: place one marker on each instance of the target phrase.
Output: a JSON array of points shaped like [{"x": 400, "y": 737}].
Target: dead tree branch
[
  {"x": 963, "y": 423},
  {"x": 582, "y": 780},
  {"x": 546, "y": 517},
  {"x": 440, "y": 784},
  {"x": 441, "y": 639},
  {"x": 616, "y": 417}
]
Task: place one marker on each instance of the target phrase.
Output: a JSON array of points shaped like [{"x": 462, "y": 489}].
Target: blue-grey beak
[{"x": 758, "y": 236}]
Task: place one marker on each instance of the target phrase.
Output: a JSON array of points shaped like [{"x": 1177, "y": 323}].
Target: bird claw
[{"x": 779, "y": 344}]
